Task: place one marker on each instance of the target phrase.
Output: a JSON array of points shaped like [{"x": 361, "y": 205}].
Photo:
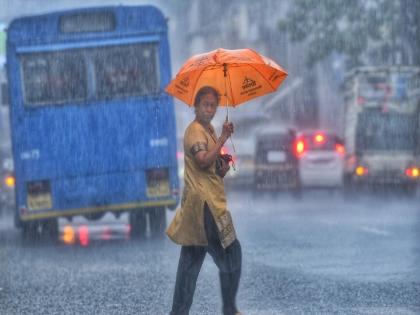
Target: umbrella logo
[{"x": 248, "y": 83}]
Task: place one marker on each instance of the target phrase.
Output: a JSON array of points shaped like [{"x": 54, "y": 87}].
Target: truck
[{"x": 381, "y": 124}]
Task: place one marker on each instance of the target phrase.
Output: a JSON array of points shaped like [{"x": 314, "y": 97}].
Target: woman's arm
[{"x": 206, "y": 158}]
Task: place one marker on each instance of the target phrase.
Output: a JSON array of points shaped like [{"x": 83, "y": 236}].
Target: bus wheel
[
  {"x": 157, "y": 221},
  {"x": 49, "y": 229},
  {"x": 349, "y": 189},
  {"x": 138, "y": 223},
  {"x": 30, "y": 231}
]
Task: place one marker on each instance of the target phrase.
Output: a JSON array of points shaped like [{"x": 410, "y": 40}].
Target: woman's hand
[
  {"x": 224, "y": 168},
  {"x": 227, "y": 131}
]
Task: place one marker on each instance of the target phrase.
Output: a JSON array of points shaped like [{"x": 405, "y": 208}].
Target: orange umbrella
[{"x": 239, "y": 75}]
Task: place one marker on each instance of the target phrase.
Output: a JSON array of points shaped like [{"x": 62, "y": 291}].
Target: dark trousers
[{"x": 228, "y": 261}]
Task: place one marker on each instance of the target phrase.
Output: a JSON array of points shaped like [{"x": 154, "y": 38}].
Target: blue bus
[{"x": 92, "y": 129}]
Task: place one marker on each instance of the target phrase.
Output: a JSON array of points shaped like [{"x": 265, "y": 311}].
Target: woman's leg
[
  {"x": 228, "y": 260},
  {"x": 230, "y": 274},
  {"x": 190, "y": 262}
]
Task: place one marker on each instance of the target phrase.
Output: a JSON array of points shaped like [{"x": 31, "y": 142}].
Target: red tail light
[
  {"x": 340, "y": 148},
  {"x": 300, "y": 147},
  {"x": 84, "y": 235},
  {"x": 413, "y": 172}
]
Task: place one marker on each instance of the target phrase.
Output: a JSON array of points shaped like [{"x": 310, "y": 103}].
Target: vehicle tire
[
  {"x": 297, "y": 193},
  {"x": 2, "y": 205},
  {"x": 30, "y": 231},
  {"x": 157, "y": 221},
  {"x": 348, "y": 187},
  {"x": 49, "y": 229},
  {"x": 138, "y": 223},
  {"x": 410, "y": 190}
]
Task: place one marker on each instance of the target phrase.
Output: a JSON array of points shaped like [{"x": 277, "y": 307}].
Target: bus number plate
[
  {"x": 158, "y": 188},
  {"x": 39, "y": 201}
]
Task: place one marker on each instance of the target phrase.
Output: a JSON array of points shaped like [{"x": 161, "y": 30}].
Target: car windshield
[{"x": 386, "y": 131}]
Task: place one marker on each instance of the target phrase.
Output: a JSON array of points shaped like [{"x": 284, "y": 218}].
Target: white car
[{"x": 321, "y": 159}]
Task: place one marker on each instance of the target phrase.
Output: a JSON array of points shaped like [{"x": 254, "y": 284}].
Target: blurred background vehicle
[
  {"x": 242, "y": 146},
  {"x": 276, "y": 165},
  {"x": 7, "y": 182},
  {"x": 321, "y": 159},
  {"x": 7, "y": 186},
  {"x": 242, "y": 175},
  {"x": 381, "y": 128}
]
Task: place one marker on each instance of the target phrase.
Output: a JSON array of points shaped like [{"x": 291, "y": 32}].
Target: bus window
[
  {"x": 51, "y": 78},
  {"x": 126, "y": 70}
]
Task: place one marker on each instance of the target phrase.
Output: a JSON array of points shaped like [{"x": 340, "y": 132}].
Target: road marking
[{"x": 372, "y": 230}]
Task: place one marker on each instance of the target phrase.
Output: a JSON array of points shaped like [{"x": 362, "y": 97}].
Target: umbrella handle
[
  {"x": 233, "y": 146},
  {"x": 227, "y": 113},
  {"x": 227, "y": 119},
  {"x": 227, "y": 104}
]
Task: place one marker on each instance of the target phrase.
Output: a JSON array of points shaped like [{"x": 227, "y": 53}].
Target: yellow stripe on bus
[{"x": 71, "y": 212}]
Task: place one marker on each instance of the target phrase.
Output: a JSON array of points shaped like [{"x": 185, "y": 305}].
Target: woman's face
[{"x": 206, "y": 108}]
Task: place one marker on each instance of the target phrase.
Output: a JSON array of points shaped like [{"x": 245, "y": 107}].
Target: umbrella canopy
[{"x": 239, "y": 75}]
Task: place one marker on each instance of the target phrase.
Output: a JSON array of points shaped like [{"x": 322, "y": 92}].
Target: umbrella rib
[
  {"x": 231, "y": 91},
  {"x": 195, "y": 85}
]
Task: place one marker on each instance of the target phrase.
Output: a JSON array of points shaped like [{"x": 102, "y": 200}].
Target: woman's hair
[{"x": 203, "y": 91}]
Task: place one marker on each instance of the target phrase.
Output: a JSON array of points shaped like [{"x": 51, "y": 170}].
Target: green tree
[{"x": 357, "y": 28}]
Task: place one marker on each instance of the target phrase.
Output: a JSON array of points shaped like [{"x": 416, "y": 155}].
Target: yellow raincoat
[{"x": 201, "y": 185}]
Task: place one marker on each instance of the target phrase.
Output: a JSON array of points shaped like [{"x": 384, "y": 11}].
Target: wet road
[{"x": 318, "y": 255}]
